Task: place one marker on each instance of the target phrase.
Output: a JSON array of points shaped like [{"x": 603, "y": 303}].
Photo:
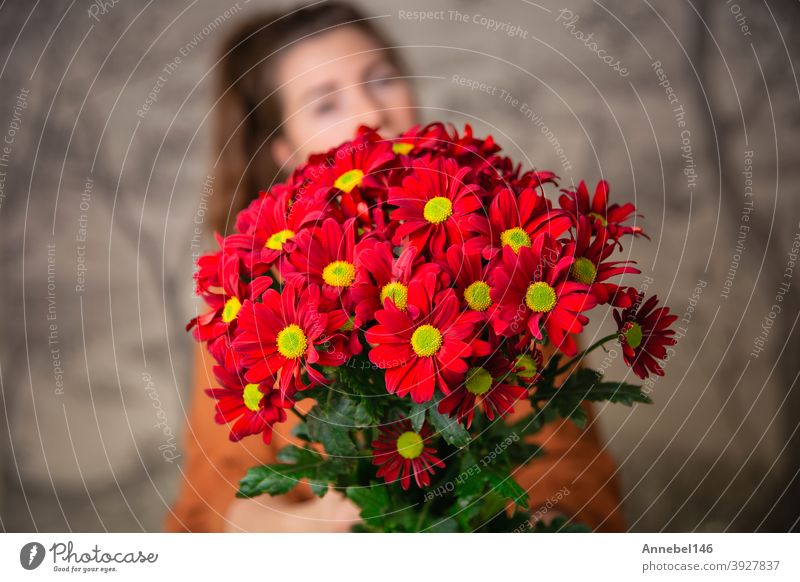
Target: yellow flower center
[
  {"x": 477, "y": 296},
  {"x": 231, "y": 309},
  {"x": 583, "y": 271},
  {"x": 276, "y": 241},
  {"x": 479, "y": 381},
  {"x": 292, "y": 342},
  {"x": 540, "y": 297},
  {"x": 252, "y": 397},
  {"x": 409, "y": 445},
  {"x": 402, "y": 147},
  {"x": 633, "y": 334},
  {"x": 426, "y": 340},
  {"x": 526, "y": 367},
  {"x": 397, "y": 292},
  {"x": 339, "y": 274},
  {"x": 438, "y": 209},
  {"x": 349, "y": 180},
  {"x": 516, "y": 238},
  {"x": 602, "y": 219}
]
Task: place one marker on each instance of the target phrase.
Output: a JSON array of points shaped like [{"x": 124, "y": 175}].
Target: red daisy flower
[
  {"x": 470, "y": 276},
  {"x": 407, "y": 142},
  {"x": 436, "y": 139},
  {"x": 379, "y": 275},
  {"x": 220, "y": 350},
  {"x": 644, "y": 334},
  {"x": 475, "y": 152},
  {"x": 209, "y": 273},
  {"x": 577, "y": 203},
  {"x": 487, "y": 386},
  {"x": 535, "y": 179},
  {"x": 268, "y": 226},
  {"x": 515, "y": 221},
  {"x": 224, "y": 291},
  {"x": 432, "y": 203},
  {"x": 349, "y": 333},
  {"x": 590, "y": 266},
  {"x": 354, "y": 173},
  {"x": 252, "y": 408},
  {"x": 533, "y": 290},
  {"x": 430, "y": 139},
  {"x": 286, "y": 333},
  {"x": 324, "y": 256},
  {"x": 401, "y": 453},
  {"x": 425, "y": 346}
]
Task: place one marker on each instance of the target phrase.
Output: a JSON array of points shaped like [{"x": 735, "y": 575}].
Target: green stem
[
  {"x": 298, "y": 414},
  {"x": 422, "y": 515},
  {"x": 583, "y": 354}
]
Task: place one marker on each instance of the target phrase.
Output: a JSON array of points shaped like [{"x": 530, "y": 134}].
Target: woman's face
[{"x": 332, "y": 83}]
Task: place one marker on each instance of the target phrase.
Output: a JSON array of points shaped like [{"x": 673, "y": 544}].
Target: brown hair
[{"x": 248, "y": 113}]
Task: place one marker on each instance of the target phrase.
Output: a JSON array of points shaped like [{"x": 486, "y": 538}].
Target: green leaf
[
  {"x": 451, "y": 430},
  {"x": 417, "y": 415},
  {"x": 584, "y": 385},
  {"x": 549, "y": 373},
  {"x": 366, "y": 413},
  {"x": 492, "y": 506},
  {"x": 301, "y": 431},
  {"x": 576, "y": 413},
  {"x": 470, "y": 485},
  {"x": 319, "y": 488},
  {"x": 448, "y": 525},
  {"x": 360, "y": 381},
  {"x": 373, "y": 500},
  {"x": 521, "y": 452},
  {"x": 359, "y": 376},
  {"x": 471, "y": 480},
  {"x": 619, "y": 392},
  {"x": 277, "y": 479},
  {"x": 529, "y": 424},
  {"x": 297, "y": 455},
  {"x": 505, "y": 486},
  {"x": 332, "y": 427}
]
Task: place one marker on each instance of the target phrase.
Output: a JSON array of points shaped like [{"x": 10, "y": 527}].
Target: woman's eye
[{"x": 324, "y": 107}]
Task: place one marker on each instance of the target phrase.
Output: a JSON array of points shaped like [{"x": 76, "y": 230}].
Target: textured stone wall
[{"x": 100, "y": 198}]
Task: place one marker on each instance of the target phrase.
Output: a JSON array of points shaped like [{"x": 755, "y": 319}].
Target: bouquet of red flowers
[{"x": 418, "y": 289}]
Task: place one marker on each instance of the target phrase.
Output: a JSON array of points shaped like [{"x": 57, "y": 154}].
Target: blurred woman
[{"x": 290, "y": 85}]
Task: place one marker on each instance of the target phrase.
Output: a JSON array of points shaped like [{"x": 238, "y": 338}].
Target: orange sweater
[{"x": 576, "y": 474}]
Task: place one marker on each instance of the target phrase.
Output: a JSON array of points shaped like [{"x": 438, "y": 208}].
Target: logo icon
[{"x": 31, "y": 555}]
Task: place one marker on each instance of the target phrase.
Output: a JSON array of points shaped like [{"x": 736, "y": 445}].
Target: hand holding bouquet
[{"x": 419, "y": 289}]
